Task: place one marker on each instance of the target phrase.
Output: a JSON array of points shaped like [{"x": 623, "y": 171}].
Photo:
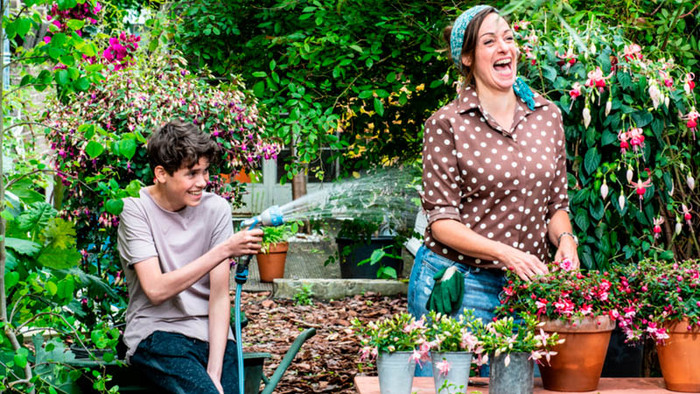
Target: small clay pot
[{"x": 679, "y": 357}]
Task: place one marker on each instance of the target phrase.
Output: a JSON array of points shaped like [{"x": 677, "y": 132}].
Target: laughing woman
[{"x": 494, "y": 177}]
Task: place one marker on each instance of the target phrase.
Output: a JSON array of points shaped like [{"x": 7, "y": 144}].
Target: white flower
[
  {"x": 655, "y": 94},
  {"x": 630, "y": 175},
  {"x": 586, "y": 117},
  {"x": 622, "y": 200},
  {"x": 604, "y": 190},
  {"x": 679, "y": 227}
]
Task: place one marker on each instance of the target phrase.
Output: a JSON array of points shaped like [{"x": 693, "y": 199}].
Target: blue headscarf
[{"x": 457, "y": 40}]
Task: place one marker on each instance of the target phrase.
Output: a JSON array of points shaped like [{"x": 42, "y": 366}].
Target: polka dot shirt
[{"x": 503, "y": 184}]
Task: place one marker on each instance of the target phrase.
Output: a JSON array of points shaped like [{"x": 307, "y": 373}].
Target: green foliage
[
  {"x": 631, "y": 151},
  {"x": 277, "y": 234},
  {"x": 305, "y": 295},
  {"x": 357, "y": 77}
]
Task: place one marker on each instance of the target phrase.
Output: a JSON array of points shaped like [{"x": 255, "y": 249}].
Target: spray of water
[{"x": 387, "y": 195}]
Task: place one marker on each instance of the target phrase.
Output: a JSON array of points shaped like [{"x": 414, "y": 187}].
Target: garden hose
[{"x": 270, "y": 217}]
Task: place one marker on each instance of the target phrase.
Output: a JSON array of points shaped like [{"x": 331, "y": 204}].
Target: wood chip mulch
[{"x": 327, "y": 362}]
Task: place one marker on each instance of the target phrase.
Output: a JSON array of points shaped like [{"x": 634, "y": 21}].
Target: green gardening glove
[{"x": 448, "y": 290}]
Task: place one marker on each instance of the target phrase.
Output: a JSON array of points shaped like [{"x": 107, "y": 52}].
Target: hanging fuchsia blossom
[
  {"x": 633, "y": 52},
  {"x": 668, "y": 81},
  {"x": 444, "y": 367},
  {"x": 568, "y": 59},
  {"x": 575, "y": 91},
  {"x": 655, "y": 93},
  {"x": 624, "y": 145},
  {"x": 689, "y": 83},
  {"x": 657, "y": 226},
  {"x": 597, "y": 80},
  {"x": 687, "y": 216},
  {"x": 636, "y": 137},
  {"x": 691, "y": 119},
  {"x": 641, "y": 187}
]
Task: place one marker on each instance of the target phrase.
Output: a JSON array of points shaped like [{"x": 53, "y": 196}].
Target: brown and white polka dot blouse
[{"x": 503, "y": 184}]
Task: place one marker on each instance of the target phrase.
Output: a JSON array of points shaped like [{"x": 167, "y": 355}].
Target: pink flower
[
  {"x": 575, "y": 91},
  {"x": 566, "y": 265},
  {"x": 632, "y": 52},
  {"x": 657, "y": 226},
  {"x": 641, "y": 187},
  {"x": 655, "y": 93},
  {"x": 636, "y": 137},
  {"x": 686, "y": 214},
  {"x": 564, "y": 307},
  {"x": 689, "y": 83},
  {"x": 596, "y": 79},
  {"x": 444, "y": 367},
  {"x": 692, "y": 120}
]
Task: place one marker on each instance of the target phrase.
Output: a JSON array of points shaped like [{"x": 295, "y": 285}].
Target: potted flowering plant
[
  {"x": 513, "y": 348},
  {"x": 273, "y": 253},
  {"x": 393, "y": 341},
  {"x": 576, "y": 304},
  {"x": 451, "y": 344},
  {"x": 665, "y": 306}
]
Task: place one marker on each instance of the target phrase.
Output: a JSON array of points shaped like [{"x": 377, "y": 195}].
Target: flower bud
[
  {"x": 691, "y": 182},
  {"x": 666, "y": 101},
  {"x": 586, "y": 117},
  {"x": 604, "y": 190},
  {"x": 679, "y": 227},
  {"x": 630, "y": 174},
  {"x": 621, "y": 201},
  {"x": 608, "y": 106}
]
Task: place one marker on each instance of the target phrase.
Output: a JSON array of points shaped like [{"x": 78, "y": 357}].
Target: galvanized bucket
[
  {"x": 457, "y": 377},
  {"x": 395, "y": 372},
  {"x": 516, "y": 378}
]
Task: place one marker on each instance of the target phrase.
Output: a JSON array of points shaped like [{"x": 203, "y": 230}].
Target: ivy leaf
[
  {"x": 60, "y": 233},
  {"x": 37, "y": 216},
  {"x": 23, "y": 246},
  {"x": 59, "y": 258}
]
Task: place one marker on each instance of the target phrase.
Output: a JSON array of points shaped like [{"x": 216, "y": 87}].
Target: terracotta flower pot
[
  {"x": 271, "y": 264},
  {"x": 679, "y": 357},
  {"x": 579, "y": 360}
]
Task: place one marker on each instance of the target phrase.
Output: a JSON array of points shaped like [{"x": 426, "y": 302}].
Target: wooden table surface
[{"x": 422, "y": 385}]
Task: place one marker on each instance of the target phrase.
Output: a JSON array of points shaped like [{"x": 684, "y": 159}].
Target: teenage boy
[{"x": 174, "y": 244}]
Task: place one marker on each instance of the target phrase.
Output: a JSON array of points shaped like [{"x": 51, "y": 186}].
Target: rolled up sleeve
[{"x": 441, "y": 179}]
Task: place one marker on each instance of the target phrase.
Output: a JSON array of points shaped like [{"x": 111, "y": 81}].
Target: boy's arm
[
  {"x": 219, "y": 320},
  {"x": 159, "y": 286}
]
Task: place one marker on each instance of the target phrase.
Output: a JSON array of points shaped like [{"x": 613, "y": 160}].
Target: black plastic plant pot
[{"x": 349, "y": 268}]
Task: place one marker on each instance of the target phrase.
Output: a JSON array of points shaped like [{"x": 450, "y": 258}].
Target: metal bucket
[
  {"x": 516, "y": 378},
  {"x": 395, "y": 372},
  {"x": 457, "y": 378}
]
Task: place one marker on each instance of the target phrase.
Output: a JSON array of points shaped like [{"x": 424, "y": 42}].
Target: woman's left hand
[{"x": 567, "y": 250}]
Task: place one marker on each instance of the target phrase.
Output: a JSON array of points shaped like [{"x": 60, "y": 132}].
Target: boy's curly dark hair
[{"x": 178, "y": 144}]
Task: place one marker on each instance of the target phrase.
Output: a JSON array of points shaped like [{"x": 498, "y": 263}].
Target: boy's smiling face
[{"x": 184, "y": 187}]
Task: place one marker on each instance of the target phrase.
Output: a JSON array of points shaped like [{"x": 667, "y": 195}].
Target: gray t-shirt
[{"x": 146, "y": 230}]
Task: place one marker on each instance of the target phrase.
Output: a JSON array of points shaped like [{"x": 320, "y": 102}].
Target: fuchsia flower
[
  {"x": 566, "y": 265},
  {"x": 655, "y": 93},
  {"x": 636, "y": 137},
  {"x": 567, "y": 60},
  {"x": 641, "y": 187},
  {"x": 668, "y": 81},
  {"x": 444, "y": 367},
  {"x": 691, "y": 119},
  {"x": 657, "y": 226},
  {"x": 633, "y": 52},
  {"x": 689, "y": 84},
  {"x": 597, "y": 80},
  {"x": 687, "y": 216},
  {"x": 575, "y": 91}
]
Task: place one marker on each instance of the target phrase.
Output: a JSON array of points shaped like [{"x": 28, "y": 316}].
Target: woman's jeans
[
  {"x": 178, "y": 364},
  {"x": 482, "y": 288}
]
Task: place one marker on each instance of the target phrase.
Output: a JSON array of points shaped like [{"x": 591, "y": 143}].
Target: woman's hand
[
  {"x": 245, "y": 242},
  {"x": 525, "y": 265},
  {"x": 217, "y": 382},
  {"x": 568, "y": 250}
]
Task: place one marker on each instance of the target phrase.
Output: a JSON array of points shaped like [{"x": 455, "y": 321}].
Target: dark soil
[{"x": 327, "y": 362}]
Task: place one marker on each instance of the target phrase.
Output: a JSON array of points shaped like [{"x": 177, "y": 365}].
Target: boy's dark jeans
[{"x": 178, "y": 364}]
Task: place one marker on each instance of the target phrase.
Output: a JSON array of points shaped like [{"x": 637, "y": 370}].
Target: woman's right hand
[
  {"x": 525, "y": 265},
  {"x": 245, "y": 242}
]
